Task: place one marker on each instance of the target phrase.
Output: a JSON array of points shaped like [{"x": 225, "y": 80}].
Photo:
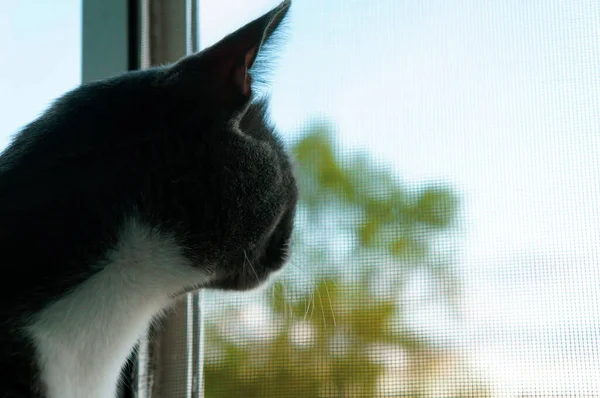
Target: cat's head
[
  {"x": 232, "y": 196},
  {"x": 253, "y": 189},
  {"x": 185, "y": 148}
]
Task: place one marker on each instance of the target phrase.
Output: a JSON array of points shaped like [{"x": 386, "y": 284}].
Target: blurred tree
[{"x": 343, "y": 334}]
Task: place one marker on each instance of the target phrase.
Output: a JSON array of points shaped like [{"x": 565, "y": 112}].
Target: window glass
[{"x": 40, "y": 44}]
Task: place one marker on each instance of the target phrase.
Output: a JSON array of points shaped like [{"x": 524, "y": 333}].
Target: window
[
  {"x": 35, "y": 47},
  {"x": 449, "y": 159},
  {"x": 447, "y": 244}
]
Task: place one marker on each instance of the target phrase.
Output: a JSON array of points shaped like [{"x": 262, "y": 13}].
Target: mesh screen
[
  {"x": 447, "y": 239},
  {"x": 447, "y": 234}
]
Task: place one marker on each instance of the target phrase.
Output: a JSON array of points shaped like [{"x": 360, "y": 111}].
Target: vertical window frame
[{"x": 120, "y": 36}]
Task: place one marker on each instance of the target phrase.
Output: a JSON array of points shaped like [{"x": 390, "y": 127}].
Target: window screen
[
  {"x": 447, "y": 241},
  {"x": 447, "y": 238}
]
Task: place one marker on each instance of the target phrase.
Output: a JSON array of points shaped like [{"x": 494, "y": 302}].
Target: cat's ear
[
  {"x": 229, "y": 61},
  {"x": 238, "y": 51}
]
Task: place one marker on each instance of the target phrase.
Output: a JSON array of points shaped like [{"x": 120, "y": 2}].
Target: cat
[{"x": 125, "y": 194}]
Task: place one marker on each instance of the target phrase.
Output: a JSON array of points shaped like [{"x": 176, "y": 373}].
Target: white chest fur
[{"x": 84, "y": 338}]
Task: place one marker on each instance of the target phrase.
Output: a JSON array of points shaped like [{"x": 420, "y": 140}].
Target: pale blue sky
[
  {"x": 500, "y": 98},
  {"x": 41, "y": 58}
]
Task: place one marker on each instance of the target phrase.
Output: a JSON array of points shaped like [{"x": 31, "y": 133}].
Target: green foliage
[
  {"x": 392, "y": 215},
  {"x": 347, "y": 320}
]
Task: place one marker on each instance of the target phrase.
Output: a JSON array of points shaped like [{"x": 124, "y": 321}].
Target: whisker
[
  {"x": 330, "y": 306},
  {"x": 310, "y": 305},
  {"x": 306, "y": 309},
  {"x": 282, "y": 291},
  {"x": 292, "y": 261},
  {"x": 322, "y": 311},
  {"x": 287, "y": 302},
  {"x": 273, "y": 290},
  {"x": 244, "y": 264},
  {"x": 251, "y": 267},
  {"x": 312, "y": 300}
]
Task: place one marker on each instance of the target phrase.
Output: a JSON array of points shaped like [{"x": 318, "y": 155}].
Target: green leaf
[{"x": 436, "y": 207}]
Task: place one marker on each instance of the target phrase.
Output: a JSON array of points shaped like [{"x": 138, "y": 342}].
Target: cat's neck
[{"x": 84, "y": 338}]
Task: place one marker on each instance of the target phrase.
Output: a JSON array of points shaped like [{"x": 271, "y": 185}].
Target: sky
[{"x": 500, "y": 98}]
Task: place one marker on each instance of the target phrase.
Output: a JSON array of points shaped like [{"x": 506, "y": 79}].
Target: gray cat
[{"x": 125, "y": 194}]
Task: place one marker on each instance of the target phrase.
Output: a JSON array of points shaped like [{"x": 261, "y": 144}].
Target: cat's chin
[
  {"x": 233, "y": 283},
  {"x": 186, "y": 290},
  {"x": 258, "y": 266},
  {"x": 238, "y": 283}
]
